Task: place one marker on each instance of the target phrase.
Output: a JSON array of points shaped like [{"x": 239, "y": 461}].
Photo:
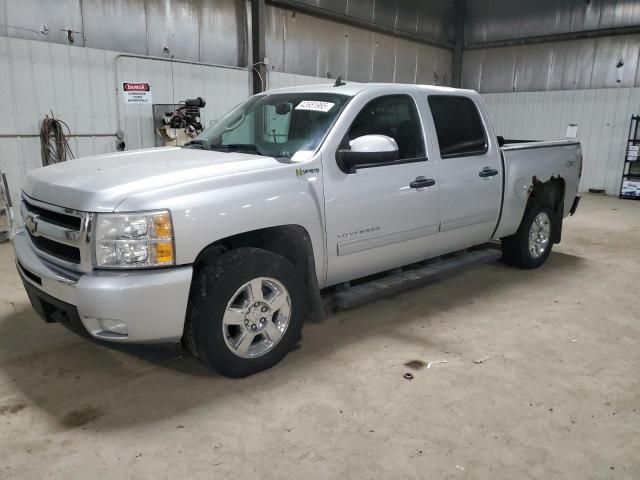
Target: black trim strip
[
  {"x": 466, "y": 154},
  {"x": 502, "y": 194},
  {"x": 55, "y": 218},
  {"x": 542, "y": 145},
  {"x": 392, "y": 162}
]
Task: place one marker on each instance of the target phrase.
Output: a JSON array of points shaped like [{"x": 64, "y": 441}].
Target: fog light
[{"x": 113, "y": 326}]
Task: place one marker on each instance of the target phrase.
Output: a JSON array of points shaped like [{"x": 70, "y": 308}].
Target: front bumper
[{"x": 151, "y": 303}]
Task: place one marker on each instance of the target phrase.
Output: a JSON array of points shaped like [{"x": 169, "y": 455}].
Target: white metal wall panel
[
  {"x": 79, "y": 85},
  {"x": 602, "y": 116}
]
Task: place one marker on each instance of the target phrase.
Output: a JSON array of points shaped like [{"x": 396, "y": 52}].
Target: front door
[{"x": 375, "y": 218}]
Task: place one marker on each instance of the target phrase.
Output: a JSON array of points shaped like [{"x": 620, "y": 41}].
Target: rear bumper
[
  {"x": 152, "y": 304},
  {"x": 574, "y": 205}
]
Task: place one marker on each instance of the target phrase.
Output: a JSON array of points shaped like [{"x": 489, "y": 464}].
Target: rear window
[{"x": 458, "y": 125}]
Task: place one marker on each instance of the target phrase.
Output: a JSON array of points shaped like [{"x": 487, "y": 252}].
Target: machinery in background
[
  {"x": 175, "y": 125},
  {"x": 6, "y": 212}
]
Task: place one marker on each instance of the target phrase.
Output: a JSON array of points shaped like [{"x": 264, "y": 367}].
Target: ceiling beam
[{"x": 556, "y": 37}]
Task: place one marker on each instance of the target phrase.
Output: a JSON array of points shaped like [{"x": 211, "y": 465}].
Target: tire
[
  {"x": 517, "y": 250},
  {"x": 222, "y": 315}
]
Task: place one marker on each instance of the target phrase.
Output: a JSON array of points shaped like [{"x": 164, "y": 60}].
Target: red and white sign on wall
[{"x": 136, "y": 93}]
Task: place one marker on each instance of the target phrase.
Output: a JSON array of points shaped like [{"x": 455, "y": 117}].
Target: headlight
[{"x": 138, "y": 240}]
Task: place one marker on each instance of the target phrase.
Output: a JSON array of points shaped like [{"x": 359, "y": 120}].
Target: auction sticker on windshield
[{"x": 315, "y": 106}]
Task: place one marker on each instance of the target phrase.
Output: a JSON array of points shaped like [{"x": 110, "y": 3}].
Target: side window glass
[
  {"x": 394, "y": 116},
  {"x": 458, "y": 126}
]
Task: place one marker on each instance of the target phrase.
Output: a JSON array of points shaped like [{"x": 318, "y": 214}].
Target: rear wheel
[
  {"x": 246, "y": 311},
  {"x": 530, "y": 246}
]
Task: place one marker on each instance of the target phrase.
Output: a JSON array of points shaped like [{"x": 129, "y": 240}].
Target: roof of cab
[{"x": 352, "y": 88}]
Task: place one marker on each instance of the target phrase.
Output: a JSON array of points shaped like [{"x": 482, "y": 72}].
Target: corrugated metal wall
[
  {"x": 602, "y": 116},
  {"x": 216, "y": 31},
  {"x": 207, "y": 31},
  {"x": 426, "y": 19},
  {"x": 603, "y": 62},
  {"x": 306, "y": 45},
  {"x": 494, "y": 20},
  {"x": 79, "y": 86}
]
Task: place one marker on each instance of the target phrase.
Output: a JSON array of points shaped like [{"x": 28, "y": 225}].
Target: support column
[
  {"x": 258, "y": 50},
  {"x": 458, "y": 48}
]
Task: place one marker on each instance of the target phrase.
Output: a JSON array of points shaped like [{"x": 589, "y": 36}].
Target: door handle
[
  {"x": 487, "y": 172},
  {"x": 421, "y": 182}
]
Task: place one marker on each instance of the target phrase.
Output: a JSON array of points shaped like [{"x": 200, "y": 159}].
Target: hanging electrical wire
[{"x": 54, "y": 142}]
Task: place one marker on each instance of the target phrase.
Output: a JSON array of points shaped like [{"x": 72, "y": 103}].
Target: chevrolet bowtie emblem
[{"x": 31, "y": 222}]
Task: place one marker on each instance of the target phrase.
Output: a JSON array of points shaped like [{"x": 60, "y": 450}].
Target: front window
[
  {"x": 276, "y": 125},
  {"x": 394, "y": 116}
]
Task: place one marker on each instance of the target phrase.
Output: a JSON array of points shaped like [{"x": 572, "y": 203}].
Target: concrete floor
[{"x": 556, "y": 395}]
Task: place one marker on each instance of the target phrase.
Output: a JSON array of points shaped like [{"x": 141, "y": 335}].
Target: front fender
[{"x": 222, "y": 207}]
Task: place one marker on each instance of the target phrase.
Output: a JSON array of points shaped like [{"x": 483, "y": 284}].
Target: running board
[{"x": 411, "y": 278}]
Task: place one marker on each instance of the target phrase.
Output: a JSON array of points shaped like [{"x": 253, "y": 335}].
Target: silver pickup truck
[{"x": 226, "y": 243}]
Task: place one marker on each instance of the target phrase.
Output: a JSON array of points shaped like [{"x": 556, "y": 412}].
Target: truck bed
[{"x": 525, "y": 162}]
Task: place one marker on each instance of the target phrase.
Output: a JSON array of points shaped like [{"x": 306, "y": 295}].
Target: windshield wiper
[
  {"x": 201, "y": 143},
  {"x": 231, "y": 147},
  {"x": 237, "y": 147}
]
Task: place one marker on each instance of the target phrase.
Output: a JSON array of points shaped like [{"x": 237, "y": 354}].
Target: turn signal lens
[{"x": 163, "y": 253}]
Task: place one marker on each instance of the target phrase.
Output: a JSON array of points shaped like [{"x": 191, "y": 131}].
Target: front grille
[
  {"x": 56, "y": 249},
  {"x": 59, "y": 234},
  {"x": 55, "y": 218}
]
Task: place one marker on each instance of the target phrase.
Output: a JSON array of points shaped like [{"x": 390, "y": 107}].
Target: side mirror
[
  {"x": 367, "y": 151},
  {"x": 501, "y": 141}
]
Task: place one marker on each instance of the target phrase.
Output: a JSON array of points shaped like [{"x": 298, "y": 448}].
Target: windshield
[{"x": 277, "y": 125}]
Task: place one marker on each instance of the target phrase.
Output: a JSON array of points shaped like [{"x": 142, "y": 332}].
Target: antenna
[{"x": 339, "y": 82}]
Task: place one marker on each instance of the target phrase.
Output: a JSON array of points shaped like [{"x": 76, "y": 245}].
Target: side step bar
[{"x": 411, "y": 278}]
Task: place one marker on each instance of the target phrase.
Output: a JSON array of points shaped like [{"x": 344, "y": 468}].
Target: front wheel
[
  {"x": 530, "y": 246},
  {"x": 246, "y": 311}
]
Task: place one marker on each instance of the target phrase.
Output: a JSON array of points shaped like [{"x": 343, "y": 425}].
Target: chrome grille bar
[{"x": 62, "y": 226}]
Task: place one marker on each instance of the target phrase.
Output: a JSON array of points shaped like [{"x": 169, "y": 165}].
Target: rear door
[
  {"x": 470, "y": 173},
  {"x": 375, "y": 219}
]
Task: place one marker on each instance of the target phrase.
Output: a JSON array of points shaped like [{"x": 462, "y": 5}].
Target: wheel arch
[
  {"x": 551, "y": 192},
  {"x": 292, "y": 242}
]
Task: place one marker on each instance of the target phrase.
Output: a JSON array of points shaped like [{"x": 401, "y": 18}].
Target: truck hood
[{"x": 101, "y": 182}]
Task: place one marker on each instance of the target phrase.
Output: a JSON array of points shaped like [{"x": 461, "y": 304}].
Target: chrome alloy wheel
[
  {"x": 539, "y": 235},
  {"x": 257, "y": 317}
]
